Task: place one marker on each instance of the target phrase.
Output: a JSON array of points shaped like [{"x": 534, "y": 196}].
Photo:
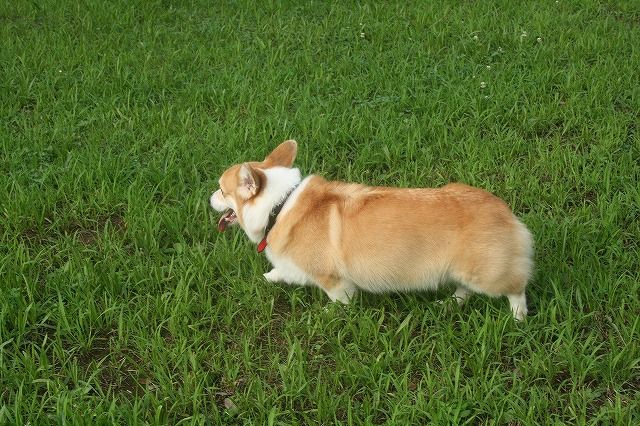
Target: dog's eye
[{"x": 221, "y": 192}]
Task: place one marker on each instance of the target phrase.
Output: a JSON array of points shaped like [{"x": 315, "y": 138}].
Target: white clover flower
[
  {"x": 539, "y": 39},
  {"x": 475, "y": 37},
  {"x": 483, "y": 84},
  {"x": 361, "y": 35},
  {"x": 488, "y": 67}
]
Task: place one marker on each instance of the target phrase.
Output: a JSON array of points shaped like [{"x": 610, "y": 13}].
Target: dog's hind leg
[
  {"x": 518, "y": 303},
  {"x": 462, "y": 294}
]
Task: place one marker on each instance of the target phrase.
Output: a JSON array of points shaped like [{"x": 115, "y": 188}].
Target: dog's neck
[{"x": 279, "y": 182}]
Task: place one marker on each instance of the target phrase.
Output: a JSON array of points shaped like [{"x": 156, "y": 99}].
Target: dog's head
[{"x": 242, "y": 185}]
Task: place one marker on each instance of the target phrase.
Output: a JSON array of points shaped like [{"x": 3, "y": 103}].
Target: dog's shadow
[{"x": 439, "y": 302}]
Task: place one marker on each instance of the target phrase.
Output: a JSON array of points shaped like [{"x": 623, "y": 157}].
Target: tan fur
[
  {"x": 346, "y": 236},
  {"x": 380, "y": 238}
]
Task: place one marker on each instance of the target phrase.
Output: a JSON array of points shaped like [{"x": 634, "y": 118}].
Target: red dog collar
[
  {"x": 273, "y": 216},
  {"x": 262, "y": 245}
]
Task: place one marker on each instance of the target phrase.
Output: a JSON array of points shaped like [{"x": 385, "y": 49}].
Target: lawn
[{"x": 121, "y": 303}]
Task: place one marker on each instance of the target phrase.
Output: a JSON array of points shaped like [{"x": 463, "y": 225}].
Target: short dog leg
[
  {"x": 272, "y": 276},
  {"x": 282, "y": 275},
  {"x": 518, "y": 304},
  {"x": 461, "y": 295},
  {"x": 338, "y": 289},
  {"x": 342, "y": 293}
]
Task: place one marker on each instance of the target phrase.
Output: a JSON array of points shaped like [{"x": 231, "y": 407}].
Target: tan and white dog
[{"x": 344, "y": 236}]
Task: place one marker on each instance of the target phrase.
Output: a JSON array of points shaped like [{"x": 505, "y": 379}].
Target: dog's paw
[
  {"x": 271, "y": 276},
  {"x": 450, "y": 304},
  {"x": 334, "y": 308}
]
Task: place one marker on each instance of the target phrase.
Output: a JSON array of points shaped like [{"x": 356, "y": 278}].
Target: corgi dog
[{"x": 344, "y": 237}]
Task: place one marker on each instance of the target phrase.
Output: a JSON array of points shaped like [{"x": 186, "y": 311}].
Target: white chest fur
[
  {"x": 283, "y": 268},
  {"x": 280, "y": 180}
]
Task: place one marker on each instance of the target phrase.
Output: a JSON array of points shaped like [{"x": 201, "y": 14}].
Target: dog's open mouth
[{"x": 228, "y": 218}]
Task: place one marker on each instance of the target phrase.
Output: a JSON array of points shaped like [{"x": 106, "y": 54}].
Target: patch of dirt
[
  {"x": 271, "y": 336},
  {"x": 549, "y": 129},
  {"x": 86, "y": 237},
  {"x": 85, "y": 231},
  {"x": 226, "y": 390},
  {"x": 122, "y": 371},
  {"x": 627, "y": 393},
  {"x": 117, "y": 222},
  {"x": 621, "y": 16},
  {"x": 33, "y": 236},
  {"x": 28, "y": 106},
  {"x": 89, "y": 235},
  {"x": 167, "y": 336},
  {"x": 562, "y": 380},
  {"x": 39, "y": 334}
]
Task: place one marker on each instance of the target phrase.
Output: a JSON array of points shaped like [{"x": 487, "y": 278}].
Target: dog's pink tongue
[
  {"x": 222, "y": 224},
  {"x": 227, "y": 218}
]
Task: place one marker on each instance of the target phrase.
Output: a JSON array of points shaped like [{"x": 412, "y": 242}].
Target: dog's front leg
[
  {"x": 285, "y": 276},
  {"x": 272, "y": 276}
]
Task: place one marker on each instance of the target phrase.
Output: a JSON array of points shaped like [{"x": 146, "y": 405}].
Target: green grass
[{"x": 120, "y": 303}]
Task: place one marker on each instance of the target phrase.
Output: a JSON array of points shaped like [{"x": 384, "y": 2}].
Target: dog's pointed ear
[
  {"x": 283, "y": 155},
  {"x": 250, "y": 181}
]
